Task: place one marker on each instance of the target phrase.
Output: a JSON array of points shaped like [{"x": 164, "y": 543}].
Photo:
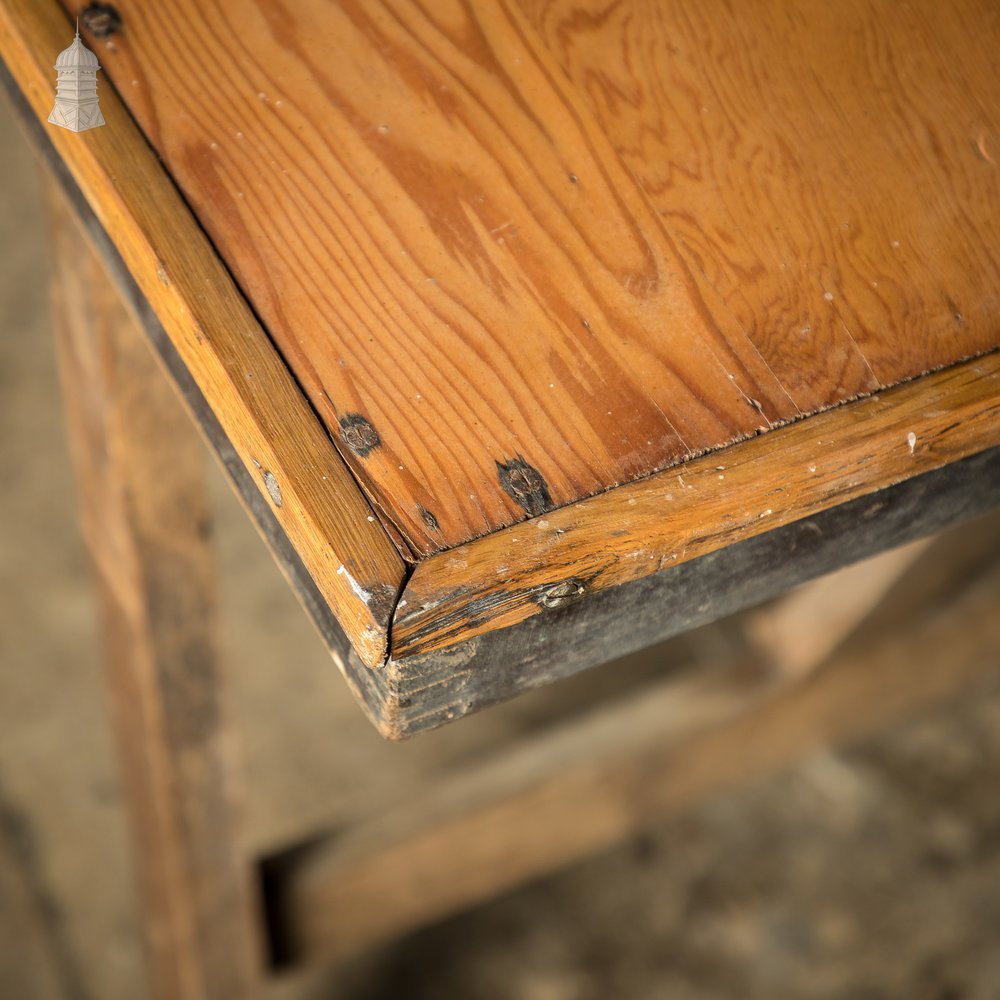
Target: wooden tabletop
[
  {"x": 515, "y": 255},
  {"x": 592, "y": 239}
]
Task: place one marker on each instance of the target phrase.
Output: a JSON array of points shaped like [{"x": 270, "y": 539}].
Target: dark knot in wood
[
  {"x": 101, "y": 19},
  {"x": 428, "y": 518},
  {"x": 358, "y": 434},
  {"x": 524, "y": 484}
]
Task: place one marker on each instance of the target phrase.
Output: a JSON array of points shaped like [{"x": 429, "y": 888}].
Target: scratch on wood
[
  {"x": 359, "y": 591},
  {"x": 272, "y": 487}
]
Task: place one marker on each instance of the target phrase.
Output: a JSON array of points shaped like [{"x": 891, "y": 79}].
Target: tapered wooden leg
[{"x": 146, "y": 524}]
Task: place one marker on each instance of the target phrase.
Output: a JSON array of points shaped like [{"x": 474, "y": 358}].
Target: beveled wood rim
[{"x": 294, "y": 465}]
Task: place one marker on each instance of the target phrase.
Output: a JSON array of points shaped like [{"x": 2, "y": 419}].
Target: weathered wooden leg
[{"x": 146, "y": 524}]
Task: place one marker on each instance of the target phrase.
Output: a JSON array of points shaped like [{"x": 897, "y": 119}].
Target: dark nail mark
[
  {"x": 584, "y": 324},
  {"x": 573, "y": 179},
  {"x": 272, "y": 487},
  {"x": 358, "y": 434},
  {"x": 562, "y": 593},
  {"x": 101, "y": 19},
  {"x": 428, "y": 518},
  {"x": 525, "y": 485},
  {"x": 956, "y": 313}
]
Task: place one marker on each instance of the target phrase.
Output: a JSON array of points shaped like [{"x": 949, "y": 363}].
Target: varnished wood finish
[
  {"x": 601, "y": 778},
  {"x": 708, "y": 504},
  {"x": 792, "y": 150},
  {"x": 348, "y": 554},
  {"x": 519, "y": 253},
  {"x": 147, "y": 526},
  {"x": 473, "y": 342},
  {"x": 245, "y": 484}
]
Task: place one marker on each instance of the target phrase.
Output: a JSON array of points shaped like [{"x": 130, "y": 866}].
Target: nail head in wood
[
  {"x": 524, "y": 484},
  {"x": 358, "y": 434},
  {"x": 562, "y": 593},
  {"x": 101, "y": 19}
]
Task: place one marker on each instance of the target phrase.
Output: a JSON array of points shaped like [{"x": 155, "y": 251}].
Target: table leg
[{"x": 146, "y": 524}]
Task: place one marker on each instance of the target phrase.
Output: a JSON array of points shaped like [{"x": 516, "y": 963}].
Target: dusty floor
[{"x": 868, "y": 873}]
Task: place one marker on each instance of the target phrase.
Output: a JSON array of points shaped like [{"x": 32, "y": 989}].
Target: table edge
[
  {"x": 442, "y": 637},
  {"x": 421, "y": 692},
  {"x": 644, "y": 527}
]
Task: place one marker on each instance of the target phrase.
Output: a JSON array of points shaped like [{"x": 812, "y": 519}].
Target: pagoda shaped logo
[{"x": 76, "y": 106}]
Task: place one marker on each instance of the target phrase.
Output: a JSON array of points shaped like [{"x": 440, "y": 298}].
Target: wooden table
[{"x": 531, "y": 333}]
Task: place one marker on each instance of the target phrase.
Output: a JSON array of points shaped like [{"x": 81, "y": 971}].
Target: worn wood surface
[
  {"x": 519, "y": 253},
  {"x": 603, "y": 777},
  {"x": 712, "y": 502},
  {"x": 147, "y": 526},
  {"x": 362, "y": 191},
  {"x": 296, "y": 468}
]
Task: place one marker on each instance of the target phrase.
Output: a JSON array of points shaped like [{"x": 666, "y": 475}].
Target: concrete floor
[{"x": 873, "y": 872}]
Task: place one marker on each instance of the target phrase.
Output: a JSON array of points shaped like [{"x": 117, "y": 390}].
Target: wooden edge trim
[
  {"x": 294, "y": 464},
  {"x": 420, "y": 692},
  {"x": 711, "y": 502}
]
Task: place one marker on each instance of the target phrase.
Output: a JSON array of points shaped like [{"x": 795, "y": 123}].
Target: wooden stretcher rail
[{"x": 594, "y": 781}]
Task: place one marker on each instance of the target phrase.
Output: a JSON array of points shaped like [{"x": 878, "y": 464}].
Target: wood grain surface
[
  {"x": 520, "y": 253},
  {"x": 300, "y": 475}
]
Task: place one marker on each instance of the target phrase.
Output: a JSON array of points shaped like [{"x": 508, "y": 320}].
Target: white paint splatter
[
  {"x": 911, "y": 440},
  {"x": 359, "y": 591}
]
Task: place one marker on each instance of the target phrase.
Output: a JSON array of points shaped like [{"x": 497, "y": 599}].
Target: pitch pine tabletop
[{"x": 535, "y": 330}]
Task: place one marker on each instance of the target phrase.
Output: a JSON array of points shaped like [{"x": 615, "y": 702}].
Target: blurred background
[{"x": 870, "y": 870}]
